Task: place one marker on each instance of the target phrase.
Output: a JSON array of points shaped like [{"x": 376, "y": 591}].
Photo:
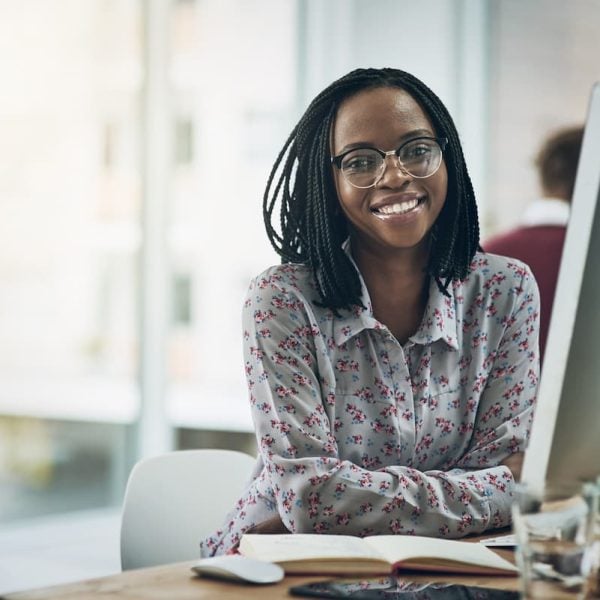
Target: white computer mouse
[{"x": 234, "y": 567}]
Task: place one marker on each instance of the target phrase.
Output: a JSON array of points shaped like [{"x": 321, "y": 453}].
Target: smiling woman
[
  {"x": 392, "y": 369},
  {"x": 390, "y": 219},
  {"x": 396, "y": 211}
]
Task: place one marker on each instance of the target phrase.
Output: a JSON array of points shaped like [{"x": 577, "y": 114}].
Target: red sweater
[{"x": 540, "y": 247}]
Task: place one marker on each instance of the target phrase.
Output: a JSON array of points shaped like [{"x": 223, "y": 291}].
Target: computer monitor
[{"x": 564, "y": 446}]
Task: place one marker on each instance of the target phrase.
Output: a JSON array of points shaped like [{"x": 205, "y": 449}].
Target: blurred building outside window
[
  {"x": 69, "y": 225},
  {"x": 233, "y": 72},
  {"x": 70, "y": 206}
]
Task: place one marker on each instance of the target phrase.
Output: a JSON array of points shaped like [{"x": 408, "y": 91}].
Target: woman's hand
[
  {"x": 515, "y": 463},
  {"x": 274, "y": 525}
]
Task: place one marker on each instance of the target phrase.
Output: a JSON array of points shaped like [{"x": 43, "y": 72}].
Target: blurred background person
[{"x": 538, "y": 240}]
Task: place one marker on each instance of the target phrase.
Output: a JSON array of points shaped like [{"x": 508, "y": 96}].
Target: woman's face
[{"x": 399, "y": 211}]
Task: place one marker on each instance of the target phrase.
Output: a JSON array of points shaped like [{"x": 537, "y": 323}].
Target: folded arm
[{"x": 317, "y": 491}]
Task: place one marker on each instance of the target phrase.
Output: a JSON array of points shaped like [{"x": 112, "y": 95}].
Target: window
[
  {"x": 237, "y": 88},
  {"x": 69, "y": 225}
]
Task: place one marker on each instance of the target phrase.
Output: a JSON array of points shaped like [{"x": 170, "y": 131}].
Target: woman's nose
[{"x": 393, "y": 171}]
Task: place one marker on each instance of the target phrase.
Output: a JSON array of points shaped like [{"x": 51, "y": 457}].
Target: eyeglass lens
[{"x": 419, "y": 158}]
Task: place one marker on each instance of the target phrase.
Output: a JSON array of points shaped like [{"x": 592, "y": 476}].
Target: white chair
[{"x": 174, "y": 500}]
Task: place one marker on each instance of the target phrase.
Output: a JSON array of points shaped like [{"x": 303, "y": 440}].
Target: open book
[{"x": 312, "y": 553}]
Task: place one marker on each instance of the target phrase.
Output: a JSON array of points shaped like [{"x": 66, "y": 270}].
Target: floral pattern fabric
[{"x": 361, "y": 435}]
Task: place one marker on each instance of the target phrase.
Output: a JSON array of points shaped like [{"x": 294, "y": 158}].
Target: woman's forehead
[{"x": 385, "y": 113}]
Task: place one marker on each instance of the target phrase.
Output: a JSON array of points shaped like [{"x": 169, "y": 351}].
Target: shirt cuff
[{"x": 499, "y": 482}]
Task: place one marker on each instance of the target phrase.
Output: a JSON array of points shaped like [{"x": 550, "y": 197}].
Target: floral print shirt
[{"x": 360, "y": 435}]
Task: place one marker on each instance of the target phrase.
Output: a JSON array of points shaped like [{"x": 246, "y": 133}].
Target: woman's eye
[
  {"x": 360, "y": 162},
  {"x": 416, "y": 152}
]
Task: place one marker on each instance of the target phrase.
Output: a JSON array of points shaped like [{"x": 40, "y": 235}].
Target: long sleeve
[{"x": 504, "y": 411}]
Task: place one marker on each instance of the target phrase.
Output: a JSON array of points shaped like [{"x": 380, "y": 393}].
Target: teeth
[{"x": 399, "y": 208}]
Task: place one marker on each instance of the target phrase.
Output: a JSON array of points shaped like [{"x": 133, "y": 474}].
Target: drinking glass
[
  {"x": 554, "y": 533},
  {"x": 594, "y": 583}
]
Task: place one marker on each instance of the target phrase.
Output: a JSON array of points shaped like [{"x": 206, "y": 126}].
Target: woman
[{"x": 392, "y": 369}]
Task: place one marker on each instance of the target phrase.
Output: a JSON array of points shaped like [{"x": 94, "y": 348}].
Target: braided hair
[{"x": 311, "y": 227}]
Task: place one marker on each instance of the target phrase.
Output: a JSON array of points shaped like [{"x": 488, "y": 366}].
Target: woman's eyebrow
[{"x": 415, "y": 133}]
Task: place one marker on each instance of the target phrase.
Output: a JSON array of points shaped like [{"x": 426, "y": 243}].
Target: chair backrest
[{"x": 174, "y": 500}]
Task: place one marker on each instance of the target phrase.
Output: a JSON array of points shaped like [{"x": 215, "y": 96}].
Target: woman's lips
[{"x": 398, "y": 207}]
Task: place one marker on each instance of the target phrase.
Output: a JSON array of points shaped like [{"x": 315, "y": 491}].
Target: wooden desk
[{"x": 177, "y": 582}]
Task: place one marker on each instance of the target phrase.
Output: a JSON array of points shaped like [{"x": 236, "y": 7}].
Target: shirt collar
[
  {"x": 353, "y": 321},
  {"x": 547, "y": 211},
  {"x": 438, "y": 323}
]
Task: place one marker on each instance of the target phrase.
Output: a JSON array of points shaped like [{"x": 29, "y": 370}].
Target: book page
[
  {"x": 299, "y": 546},
  {"x": 396, "y": 548}
]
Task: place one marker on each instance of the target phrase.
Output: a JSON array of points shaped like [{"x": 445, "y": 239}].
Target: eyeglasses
[{"x": 363, "y": 167}]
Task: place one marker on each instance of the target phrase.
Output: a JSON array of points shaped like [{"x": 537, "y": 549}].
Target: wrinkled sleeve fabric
[{"x": 505, "y": 408}]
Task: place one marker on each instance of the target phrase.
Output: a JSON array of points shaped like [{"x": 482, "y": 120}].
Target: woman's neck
[{"x": 398, "y": 286}]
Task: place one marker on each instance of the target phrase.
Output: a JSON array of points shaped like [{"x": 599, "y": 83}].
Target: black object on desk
[{"x": 391, "y": 588}]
